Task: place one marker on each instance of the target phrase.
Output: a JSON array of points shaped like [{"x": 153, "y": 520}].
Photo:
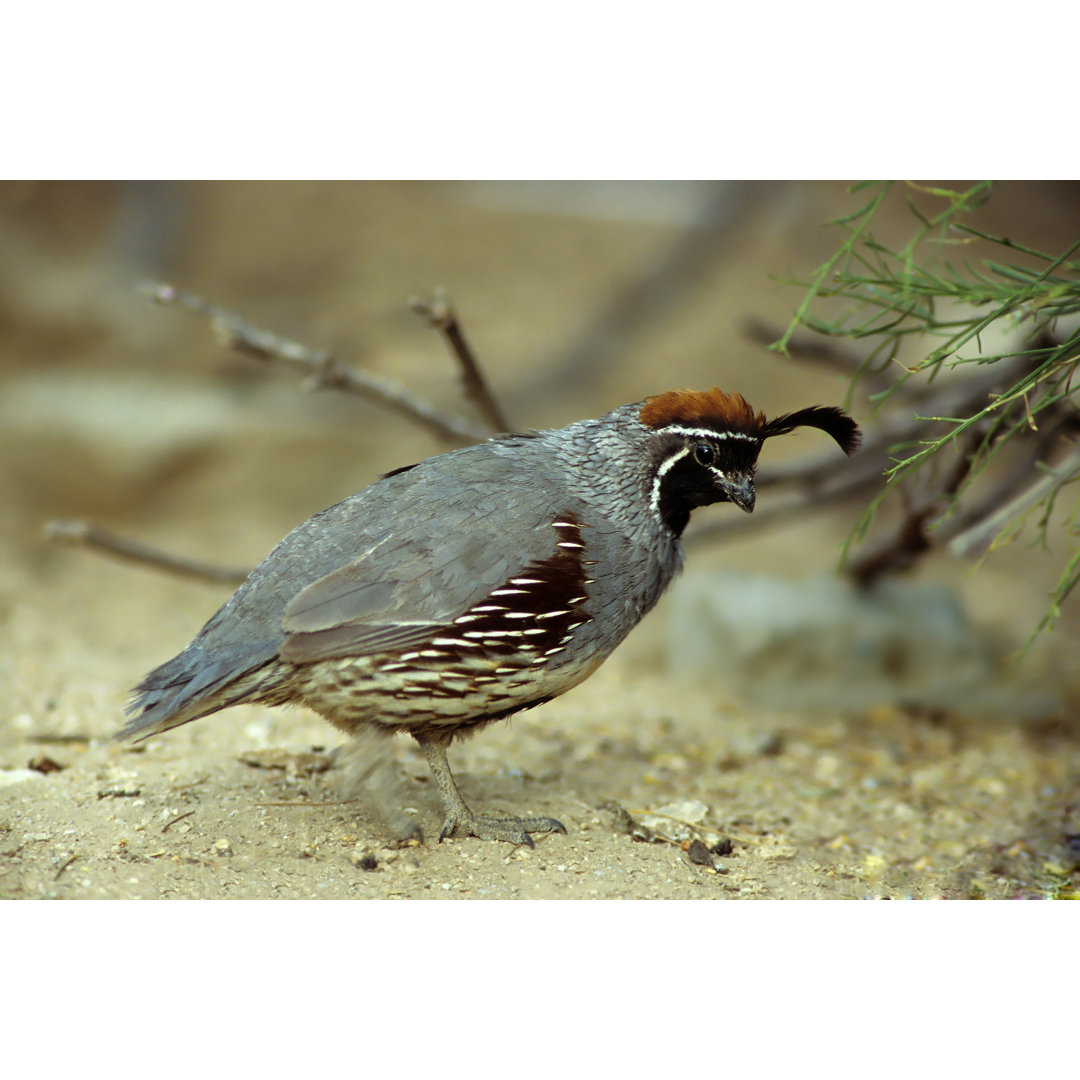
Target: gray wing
[
  {"x": 452, "y": 543},
  {"x": 378, "y": 571}
]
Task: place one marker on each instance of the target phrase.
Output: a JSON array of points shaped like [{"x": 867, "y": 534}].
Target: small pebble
[
  {"x": 44, "y": 764},
  {"x": 699, "y": 854}
]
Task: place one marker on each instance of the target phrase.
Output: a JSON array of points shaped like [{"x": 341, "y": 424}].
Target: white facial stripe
[
  {"x": 658, "y": 479},
  {"x": 667, "y": 465},
  {"x": 706, "y": 433}
]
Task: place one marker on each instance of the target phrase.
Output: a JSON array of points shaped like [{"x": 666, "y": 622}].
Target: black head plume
[{"x": 827, "y": 418}]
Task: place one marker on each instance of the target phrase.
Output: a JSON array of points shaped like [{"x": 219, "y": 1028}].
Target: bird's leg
[
  {"x": 366, "y": 775},
  {"x": 460, "y": 820}
]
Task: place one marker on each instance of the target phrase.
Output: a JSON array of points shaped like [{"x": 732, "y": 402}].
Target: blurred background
[{"x": 576, "y": 297}]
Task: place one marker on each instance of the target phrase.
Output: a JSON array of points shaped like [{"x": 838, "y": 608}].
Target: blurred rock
[
  {"x": 823, "y": 645},
  {"x": 17, "y": 776}
]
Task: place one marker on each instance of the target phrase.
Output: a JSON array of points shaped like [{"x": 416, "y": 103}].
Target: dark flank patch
[{"x": 532, "y": 615}]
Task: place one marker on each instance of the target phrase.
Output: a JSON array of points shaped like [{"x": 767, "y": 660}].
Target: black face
[{"x": 697, "y": 467}]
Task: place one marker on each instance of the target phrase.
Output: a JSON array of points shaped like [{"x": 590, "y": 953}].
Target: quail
[{"x": 475, "y": 584}]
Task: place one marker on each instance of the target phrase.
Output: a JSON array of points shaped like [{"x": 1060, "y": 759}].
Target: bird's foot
[
  {"x": 513, "y": 830},
  {"x": 461, "y": 821}
]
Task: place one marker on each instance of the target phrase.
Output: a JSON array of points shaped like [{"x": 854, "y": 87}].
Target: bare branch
[
  {"x": 1018, "y": 479},
  {"x": 443, "y": 318},
  {"x": 983, "y": 532},
  {"x": 323, "y": 370},
  {"x": 85, "y": 534}
]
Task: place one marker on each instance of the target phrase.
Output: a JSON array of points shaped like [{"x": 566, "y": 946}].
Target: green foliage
[{"x": 921, "y": 299}]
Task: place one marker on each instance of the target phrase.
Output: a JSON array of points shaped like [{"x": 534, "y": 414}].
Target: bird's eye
[{"x": 704, "y": 454}]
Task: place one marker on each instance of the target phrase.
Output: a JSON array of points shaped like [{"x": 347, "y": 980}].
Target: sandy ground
[{"x": 669, "y": 787}]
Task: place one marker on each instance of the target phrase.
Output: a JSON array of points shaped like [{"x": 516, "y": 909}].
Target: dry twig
[
  {"x": 443, "y": 318},
  {"x": 86, "y": 534},
  {"x": 322, "y": 369},
  {"x": 172, "y": 821},
  {"x": 67, "y": 862},
  {"x": 981, "y": 532},
  {"x": 816, "y": 482},
  {"x": 912, "y": 538}
]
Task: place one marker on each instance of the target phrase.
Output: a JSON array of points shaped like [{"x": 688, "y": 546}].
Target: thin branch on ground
[
  {"x": 87, "y": 535},
  {"x": 322, "y": 369},
  {"x": 439, "y": 314}
]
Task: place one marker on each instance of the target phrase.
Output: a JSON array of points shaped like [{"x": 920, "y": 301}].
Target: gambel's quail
[{"x": 477, "y": 583}]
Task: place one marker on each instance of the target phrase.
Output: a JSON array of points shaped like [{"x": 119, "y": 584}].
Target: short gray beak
[{"x": 741, "y": 493}]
